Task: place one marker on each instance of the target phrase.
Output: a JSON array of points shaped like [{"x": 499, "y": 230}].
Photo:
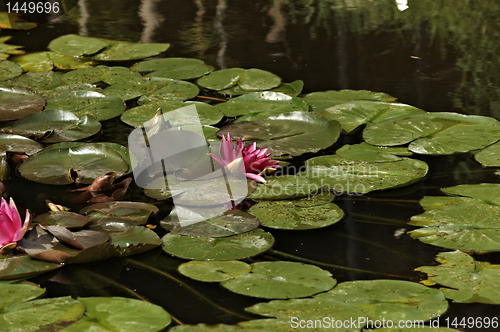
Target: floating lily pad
[
  {"x": 120, "y": 314},
  {"x": 250, "y": 80},
  {"x": 489, "y": 156},
  {"x": 135, "y": 240},
  {"x": 9, "y": 69},
  {"x": 443, "y": 202},
  {"x": 46, "y": 61},
  {"x": 214, "y": 271},
  {"x": 355, "y": 113},
  {"x": 348, "y": 176},
  {"x": 394, "y": 300},
  {"x": 281, "y": 280},
  {"x": 38, "y": 80},
  {"x": 5, "y": 49},
  {"x": 57, "y": 126},
  {"x": 14, "y": 21},
  {"x": 82, "y": 239},
  {"x": 226, "y": 248},
  {"x": 469, "y": 281},
  {"x": 292, "y": 89},
  {"x": 69, "y": 220},
  {"x": 486, "y": 192},
  {"x": 20, "y": 267},
  {"x": 286, "y": 187},
  {"x": 41, "y": 315},
  {"x": 435, "y": 133},
  {"x": 16, "y": 102},
  {"x": 109, "y": 75},
  {"x": 260, "y": 105},
  {"x": 78, "y": 164},
  {"x": 372, "y": 154},
  {"x": 18, "y": 144},
  {"x": 114, "y": 216},
  {"x": 324, "y": 99},
  {"x": 91, "y": 103},
  {"x": 174, "y": 68},
  {"x": 228, "y": 224},
  {"x": 105, "y": 49},
  {"x": 207, "y": 114},
  {"x": 475, "y": 228},
  {"x": 221, "y": 79},
  {"x": 11, "y": 294},
  {"x": 292, "y": 133},
  {"x": 306, "y": 213}
]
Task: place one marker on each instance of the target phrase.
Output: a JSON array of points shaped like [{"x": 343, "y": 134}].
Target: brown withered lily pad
[{"x": 102, "y": 189}]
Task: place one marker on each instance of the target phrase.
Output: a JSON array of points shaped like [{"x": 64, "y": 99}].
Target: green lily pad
[
  {"x": 228, "y": 224},
  {"x": 324, "y": 99},
  {"x": 469, "y": 281},
  {"x": 137, "y": 116},
  {"x": 105, "y": 49},
  {"x": 46, "y": 61},
  {"x": 475, "y": 228},
  {"x": 38, "y": 80},
  {"x": 114, "y": 216},
  {"x": 286, "y": 187},
  {"x": 174, "y": 68},
  {"x": 443, "y": 202},
  {"x": 489, "y": 156},
  {"x": 260, "y": 105},
  {"x": 348, "y": 176},
  {"x": 355, "y": 113},
  {"x": 69, "y": 220},
  {"x": 257, "y": 80},
  {"x": 109, "y": 75},
  {"x": 435, "y": 133},
  {"x": 486, "y": 192},
  {"x": 135, "y": 240},
  {"x": 57, "y": 126},
  {"x": 75, "y": 45},
  {"x": 395, "y": 300},
  {"x": 221, "y": 79},
  {"x": 5, "y": 49},
  {"x": 226, "y": 248},
  {"x": 16, "y": 102},
  {"x": 20, "y": 267},
  {"x": 372, "y": 154},
  {"x": 78, "y": 164},
  {"x": 11, "y": 294},
  {"x": 41, "y": 315},
  {"x": 281, "y": 280},
  {"x": 18, "y": 144},
  {"x": 292, "y": 133},
  {"x": 306, "y": 213},
  {"x": 91, "y": 103},
  {"x": 292, "y": 89},
  {"x": 120, "y": 314},
  {"x": 9, "y": 69},
  {"x": 214, "y": 271}
]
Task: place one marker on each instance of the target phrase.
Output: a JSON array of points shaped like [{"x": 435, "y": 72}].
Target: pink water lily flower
[
  {"x": 11, "y": 227},
  {"x": 251, "y": 161}
]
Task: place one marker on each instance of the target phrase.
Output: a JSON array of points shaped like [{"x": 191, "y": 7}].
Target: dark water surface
[{"x": 437, "y": 55}]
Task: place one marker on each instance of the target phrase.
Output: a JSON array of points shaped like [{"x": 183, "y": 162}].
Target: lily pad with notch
[
  {"x": 21, "y": 267},
  {"x": 57, "y": 126},
  {"x": 214, "y": 271},
  {"x": 46, "y": 61},
  {"x": 489, "y": 156},
  {"x": 174, "y": 68},
  {"x": 109, "y": 75},
  {"x": 324, "y": 99},
  {"x": 134, "y": 240},
  {"x": 281, "y": 280},
  {"x": 225, "y": 248}
]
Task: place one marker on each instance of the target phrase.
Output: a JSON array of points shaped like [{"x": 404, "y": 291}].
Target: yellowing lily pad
[{"x": 466, "y": 280}]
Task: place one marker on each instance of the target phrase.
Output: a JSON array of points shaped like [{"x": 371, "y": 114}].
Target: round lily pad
[
  {"x": 76, "y": 45},
  {"x": 373, "y": 154},
  {"x": 9, "y": 69},
  {"x": 120, "y": 51},
  {"x": 281, "y": 280},
  {"x": 91, "y": 103},
  {"x": 46, "y": 314},
  {"x": 57, "y": 126},
  {"x": 119, "y": 215},
  {"x": 21, "y": 267},
  {"x": 257, "y": 80},
  {"x": 79, "y": 164},
  {"x": 109, "y": 75},
  {"x": 69, "y": 220},
  {"x": 260, "y": 105},
  {"x": 226, "y": 248},
  {"x": 11, "y": 294},
  {"x": 16, "y": 102},
  {"x": 135, "y": 240},
  {"x": 466, "y": 280},
  {"x": 474, "y": 228},
  {"x": 120, "y": 314},
  {"x": 394, "y": 300},
  {"x": 435, "y": 133},
  {"x": 306, "y": 213},
  {"x": 46, "y": 61},
  {"x": 214, "y": 271},
  {"x": 228, "y": 224},
  {"x": 174, "y": 68},
  {"x": 286, "y": 187},
  {"x": 292, "y": 133},
  {"x": 221, "y": 79},
  {"x": 355, "y": 113},
  {"x": 18, "y": 144},
  {"x": 489, "y": 156},
  {"x": 38, "y": 80},
  {"x": 324, "y": 99}
]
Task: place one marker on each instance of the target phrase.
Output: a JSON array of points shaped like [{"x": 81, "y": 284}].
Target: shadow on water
[{"x": 437, "y": 55}]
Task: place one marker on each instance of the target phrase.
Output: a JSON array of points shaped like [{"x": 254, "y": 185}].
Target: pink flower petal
[{"x": 256, "y": 177}]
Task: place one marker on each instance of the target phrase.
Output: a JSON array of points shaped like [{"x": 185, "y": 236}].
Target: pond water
[{"x": 440, "y": 56}]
